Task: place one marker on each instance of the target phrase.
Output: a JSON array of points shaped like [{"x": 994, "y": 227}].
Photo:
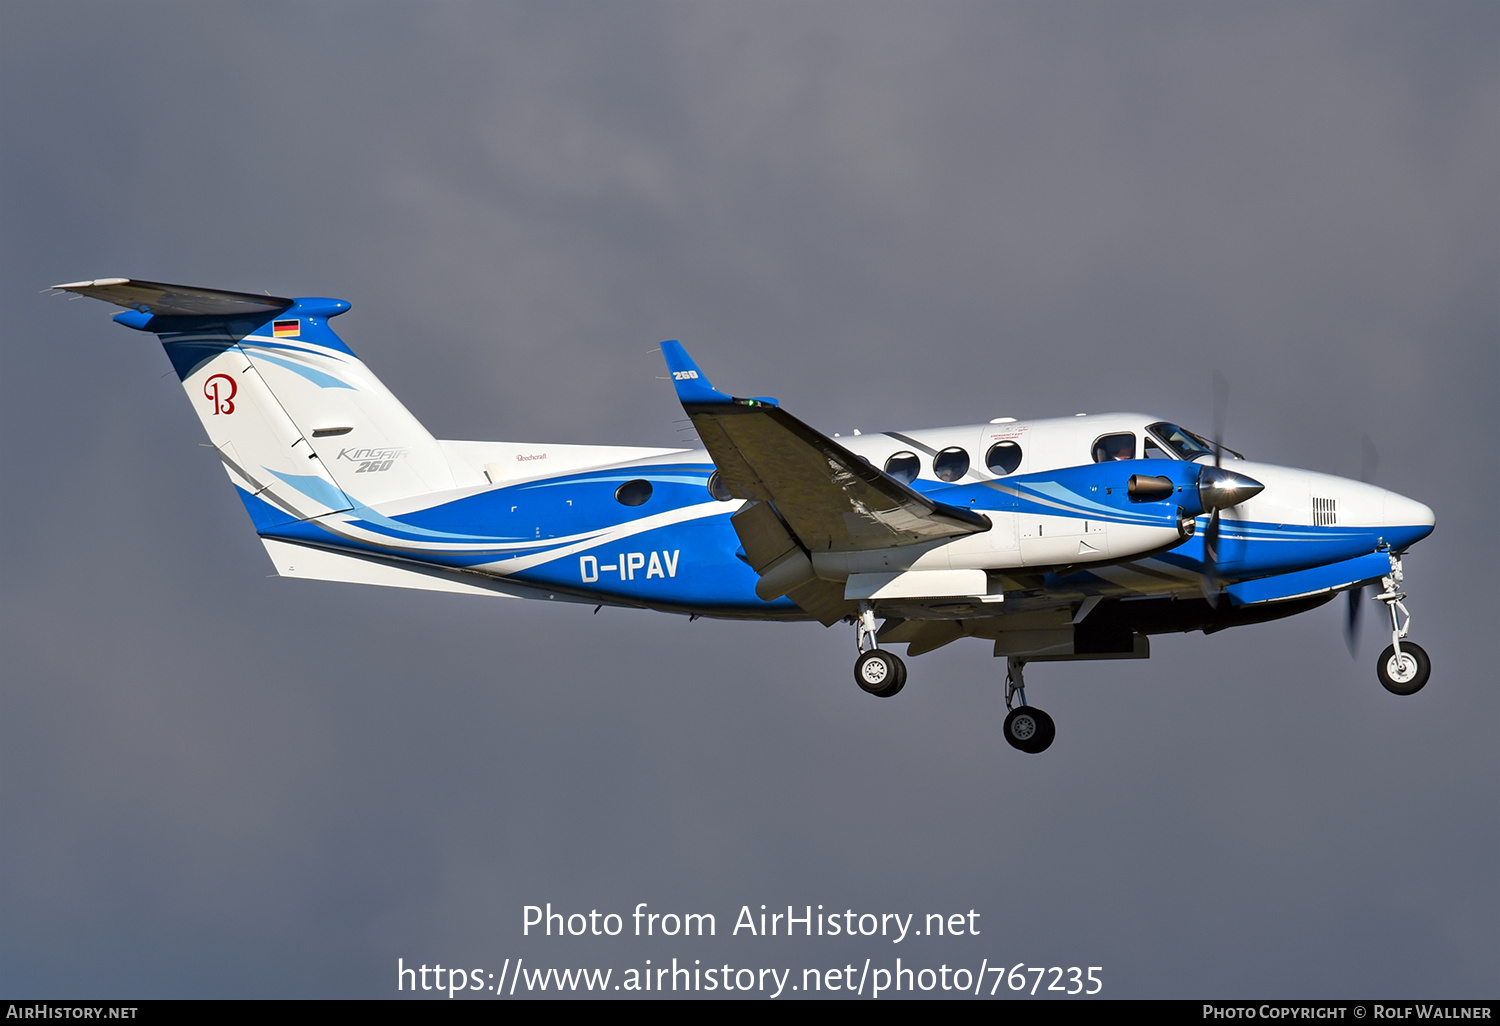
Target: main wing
[
  {"x": 810, "y": 493},
  {"x": 831, "y": 499}
]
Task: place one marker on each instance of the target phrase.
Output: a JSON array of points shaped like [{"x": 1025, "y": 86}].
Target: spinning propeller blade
[
  {"x": 1351, "y": 621},
  {"x": 1219, "y": 489},
  {"x": 1368, "y": 462},
  {"x": 1210, "y": 580},
  {"x": 1221, "y": 406}
]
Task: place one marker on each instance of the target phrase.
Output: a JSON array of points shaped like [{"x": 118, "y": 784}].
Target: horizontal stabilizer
[{"x": 156, "y": 298}]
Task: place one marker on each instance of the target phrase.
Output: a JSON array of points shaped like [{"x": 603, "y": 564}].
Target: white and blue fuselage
[{"x": 981, "y": 525}]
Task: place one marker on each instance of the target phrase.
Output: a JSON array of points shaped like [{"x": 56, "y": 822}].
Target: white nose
[{"x": 1403, "y": 512}]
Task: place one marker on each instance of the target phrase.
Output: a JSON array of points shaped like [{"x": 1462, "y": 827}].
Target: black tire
[
  {"x": 1029, "y": 730},
  {"x": 900, "y": 676},
  {"x": 880, "y": 673},
  {"x": 1407, "y": 675},
  {"x": 1045, "y": 736}
]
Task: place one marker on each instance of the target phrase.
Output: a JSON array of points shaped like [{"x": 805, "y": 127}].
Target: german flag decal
[{"x": 286, "y": 329}]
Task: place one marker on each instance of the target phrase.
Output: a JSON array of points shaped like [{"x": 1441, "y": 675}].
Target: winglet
[{"x": 693, "y": 385}]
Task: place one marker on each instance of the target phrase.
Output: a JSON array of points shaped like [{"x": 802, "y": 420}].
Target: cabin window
[
  {"x": 1114, "y": 447},
  {"x": 1003, "y": 458},
  {"x": 717, "y": 488},
  {"x": 951, "y": 464},
  {"x": 904, "y": 467},
  {"x": 633, "y": 493},
  {"x": 1154, "y": 451}
]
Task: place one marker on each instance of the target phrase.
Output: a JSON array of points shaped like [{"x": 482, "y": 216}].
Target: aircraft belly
[{"x": 1143, "y": 577}]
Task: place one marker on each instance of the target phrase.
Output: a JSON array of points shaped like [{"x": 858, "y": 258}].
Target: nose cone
[
  {"x": 1219, "y": 488},
  {"x": 1407, "y": 520}
]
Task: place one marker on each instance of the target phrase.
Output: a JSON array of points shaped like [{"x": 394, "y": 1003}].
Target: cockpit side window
[
  {"x": 1114, "y": 447},
  {"x": 1183, "y": 443}
]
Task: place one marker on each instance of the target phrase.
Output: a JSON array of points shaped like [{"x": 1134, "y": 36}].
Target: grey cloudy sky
[{"x": 890, "y": 215}]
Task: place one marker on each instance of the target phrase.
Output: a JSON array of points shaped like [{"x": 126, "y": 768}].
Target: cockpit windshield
[{"x": 1183, "y": 442}]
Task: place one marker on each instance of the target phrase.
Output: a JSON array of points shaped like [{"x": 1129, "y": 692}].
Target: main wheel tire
[
  {"x": 1029, "y": 730},
  {"x": 880, "y": 673},
  {"x": 900, "y": 677},
  {"x": 1044, "y": 737},
  {"x": 1407, "y": 674}
]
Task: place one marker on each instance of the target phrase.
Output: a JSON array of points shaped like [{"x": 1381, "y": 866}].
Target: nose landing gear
[
  {"x": 1027, "y": 728},
  {"x": 877, "y": 671},
  {"x": 1403, "y": 667}
]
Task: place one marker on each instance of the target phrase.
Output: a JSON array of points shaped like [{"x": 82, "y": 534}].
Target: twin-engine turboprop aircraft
[{"x": 1071, "y": 538}]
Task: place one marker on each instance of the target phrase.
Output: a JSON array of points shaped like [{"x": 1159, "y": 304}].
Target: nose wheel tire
[
  {"x": 880, "y": 673},
  {"x": 1028, "y": 729},
  {"x": 1404, "y": 674}
]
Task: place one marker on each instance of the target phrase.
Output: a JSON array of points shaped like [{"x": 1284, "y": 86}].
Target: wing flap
[
  {"x": 784, "y": 566},
  {"x": 928, "y": 635}
]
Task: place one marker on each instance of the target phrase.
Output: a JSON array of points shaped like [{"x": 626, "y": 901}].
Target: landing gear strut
[
  {"x": 1027, "y": 728},
  {"x": 877, "y": 671},
  {"x": 1403, "y": 667}
]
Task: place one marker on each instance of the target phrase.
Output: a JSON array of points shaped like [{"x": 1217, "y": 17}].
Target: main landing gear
[
  {"x": 877, "y": 671},
  {"x": 1027, "y": 728},
  {"x": 1404, "y": 667},
  {"x": 883, "y": 674}
]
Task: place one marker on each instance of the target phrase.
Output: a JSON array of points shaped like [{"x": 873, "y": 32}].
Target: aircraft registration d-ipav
[{"x": 1056, "y": 539}]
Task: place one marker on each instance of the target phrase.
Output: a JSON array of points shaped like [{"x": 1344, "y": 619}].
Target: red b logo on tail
[{"x": 223, "y": 401}]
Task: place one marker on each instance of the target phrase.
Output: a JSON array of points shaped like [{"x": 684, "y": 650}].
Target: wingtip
[
  {"x": 94, "y": 284},
  {"x": 688, "y": 378}
]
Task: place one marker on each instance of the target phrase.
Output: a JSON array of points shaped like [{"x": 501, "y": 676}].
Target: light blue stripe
[{"x": 317, "y": 377}]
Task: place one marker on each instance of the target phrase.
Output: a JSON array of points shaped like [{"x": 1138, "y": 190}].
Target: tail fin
[{"x": 302, "y": 426}]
